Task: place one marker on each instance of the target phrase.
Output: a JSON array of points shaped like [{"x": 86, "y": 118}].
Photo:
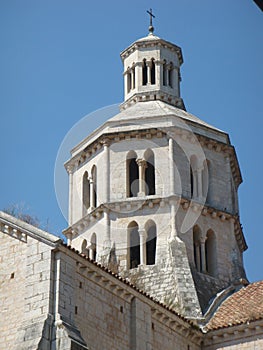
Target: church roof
[
  {"x": 158, "y": 108},
  {"x": 244, "y": 306},
  {"x": 141, "y": 111}
]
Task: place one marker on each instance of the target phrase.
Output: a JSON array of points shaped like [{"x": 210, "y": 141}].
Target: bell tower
[
  {"x": 152, "y": 71},
  {"x": 154, "y": 190}
]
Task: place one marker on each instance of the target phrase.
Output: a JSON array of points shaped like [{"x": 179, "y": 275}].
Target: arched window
[
  {"x": 149, "y": 173},
  {"x": 170, "y": 75},
  {"x": 129, "y": 80},
  {"x": 93, "y": 246},
  {"x": 164, "y": 73},
  {"x": 152, "y": 71},
  {"x": 94, "y": 186},
  {"x": 150, "y": 228},
  {"x": 144, "y": 72},
  {"x": 197, "y": 248},
  {"x": 206, "y": 185},
  {"x": 210, "y": 252},
  {"x": 193, "y": 176},
  {"x": 134, "y": 245},
  {"x": 132, "y": 175},
  {"x": 84, "y": 248},
  {"x": 133, "y": 77},
  {"x": 85, "y": 193}
]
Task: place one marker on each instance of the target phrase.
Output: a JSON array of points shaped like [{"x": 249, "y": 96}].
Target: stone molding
[
  {"x": 160, "y": 43},
  {"x": 20, "y": 230},
  {"x": 234, "y": 332},
  {"x": 153, "y": 201},
  {"x": 92, "y": 149}
]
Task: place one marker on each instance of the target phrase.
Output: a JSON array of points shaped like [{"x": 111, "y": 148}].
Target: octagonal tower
[{"x": 153, "y": 191}]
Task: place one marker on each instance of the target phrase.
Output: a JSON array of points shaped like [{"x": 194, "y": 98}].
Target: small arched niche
[
  {"x": 93, "y": 246},
  {"x": 197, "y": 247},
  {"x": 149, "y": 172},
  {"x": 193, "y": 176},
  {"x": 85, "y": 193},
  {"x": 144, "y": 72},
  {"x": 94, "y": 189},
  {"x": 211, "y": 253},
  {"x": 153, "y": 71},
  {"x": 132, "y": 175},
  {"x": 84, "y": 247},
  {"x": 133, "y": 245},
  {"x": 150, "y": 228}
]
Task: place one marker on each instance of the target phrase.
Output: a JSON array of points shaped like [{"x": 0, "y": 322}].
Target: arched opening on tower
[
  {"x": 150, "y": 228},
  {"x": 85, "y": 193},
  {"x": 211, "y": 253},
  {"x": 93, "y": 247},
  {"x": 197, "y": 248},
  {"x": 129, "y": 81},
  {"x": 170, "y": 75},
  {"x": 149, "y": 173},
  {"x": 206, "y": 185},
  {"x": 94, "y": 186},
  {"x": 132, "y": 175},
  {"x": 133, "y": 77},
  {"x": 144, "y": 72},
  {"x": 84, "y": 248},
  {"x": 193, "y": 176},
  {"x": 152, "y": 71},
  {"x": 134, "y": 245},
  {"x": 164, "y": 73}
]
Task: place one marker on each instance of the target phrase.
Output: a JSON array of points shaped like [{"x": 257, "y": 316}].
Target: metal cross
[
  {"x": 151, "y": 28},
  {"x": 151, "y": 16}
]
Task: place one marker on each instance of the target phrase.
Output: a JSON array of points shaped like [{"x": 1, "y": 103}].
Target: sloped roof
[
  {"x": 241, "y": 307},
  {"x": 148, "y": 109}
]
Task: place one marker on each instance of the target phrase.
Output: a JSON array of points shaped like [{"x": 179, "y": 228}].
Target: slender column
[
  {"x": 91, "y": 253},
  {"x": 171, "y": 161},
  {"x": 203, "y": 259},
  {"x": 148, "y": 73},
  {"x": 199, "y": 183},
  {"x": 166, "y": 75},
  {"x": 195, "y": 184},
  {"x": 197, "y": 256},
  {"x": 138, "y": 75},
  {"x": 173, "y": 220},
  {"x": 92, "y": 197},
  {"x": 70, "y": 169},
  {"x": 132, "y": 79},
  {"x": 125, "y": 83},
  {"x": 142, "y": 234},
  {"x": 158, "y": 75},
  {"x": 108, "y": 238},
  {"x": 107, "y": 170},
  {"x": 142, "y": 166}
]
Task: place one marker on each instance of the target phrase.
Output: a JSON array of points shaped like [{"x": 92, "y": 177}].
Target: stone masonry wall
[
  {"x": 109, "y": 314},
  {"x": 25, "y": 292}
]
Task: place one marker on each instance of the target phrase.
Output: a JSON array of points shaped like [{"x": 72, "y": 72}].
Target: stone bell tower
[{"x": 153, "y": 191}]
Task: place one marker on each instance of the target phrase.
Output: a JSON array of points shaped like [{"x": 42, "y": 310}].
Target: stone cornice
[
  {"x": 229, "y": 333},
  {"x": 90, "y": 150},
  {"x": 121, "y": 287},
  {"x": 153, "y": 95},
  {"x": 20, "y": 230},
  {"x": 135, "y": 204},
  {"x": 146, "y": 43}
]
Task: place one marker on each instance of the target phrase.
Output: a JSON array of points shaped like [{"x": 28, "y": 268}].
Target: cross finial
[{"x": 151, "y": 28}]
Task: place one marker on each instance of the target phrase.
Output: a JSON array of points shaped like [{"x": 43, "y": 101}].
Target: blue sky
[{"x": 60, "y": 61}]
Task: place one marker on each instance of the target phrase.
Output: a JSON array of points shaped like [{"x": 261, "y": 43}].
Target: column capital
[
  {"x": 141, "y": 162},
  {"x": 105, "y": 143},
  {"x": 142, "y": 232}
]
